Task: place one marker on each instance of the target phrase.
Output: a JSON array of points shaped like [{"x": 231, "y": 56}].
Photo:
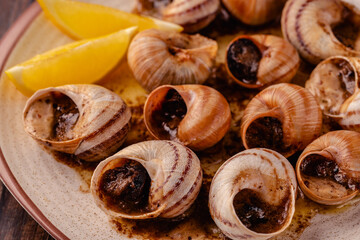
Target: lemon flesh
[
  {"x": 84, "y": 61},
  {"x": 84, "y": 20}
]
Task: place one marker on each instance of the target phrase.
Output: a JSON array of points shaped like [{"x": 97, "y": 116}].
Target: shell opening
[
  {"x": 347, "y": 31},
  {"x": 339, "y": 85},
  {"x": 126, "y": 188},
  {"x": 258, "y": 215},
  {"x": 266, "y": 132},
  {"x": 324, "y": 178},
  {"x": 243, "y": 58},
  {"x": 168, "y": 115},
  {"x": 53, "y": 116}
]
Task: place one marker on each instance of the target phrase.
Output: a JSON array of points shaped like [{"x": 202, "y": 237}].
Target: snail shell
[
  {"x": 174, "y": 173},
  {"x": 336, "y": 87},
  {"x": 283, "y": 117},
  {"x": 307, "y": 25},
  {"x": 256, "y": 61},
  {"x": 254, "y": 12},
  {"x": 253, "y": 180},
  {"x": 158, "y": 57},
  {"x": 328, "y": 171},
  {"x": 86, "y": 120},
  {"x": 194, "y": 115},
  {"x": 193, "y": 15}
]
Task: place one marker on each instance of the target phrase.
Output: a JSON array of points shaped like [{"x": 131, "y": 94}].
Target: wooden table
[{"x": 15, "y": 222}]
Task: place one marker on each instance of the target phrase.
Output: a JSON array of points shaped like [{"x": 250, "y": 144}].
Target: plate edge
[{"x": 7, "y": 44}]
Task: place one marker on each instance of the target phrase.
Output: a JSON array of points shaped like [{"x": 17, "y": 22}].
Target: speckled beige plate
[{"x": 55, "y": 194}]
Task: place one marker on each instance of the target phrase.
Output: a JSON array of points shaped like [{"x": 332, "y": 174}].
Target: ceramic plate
[{"x": 57, "y": 195}]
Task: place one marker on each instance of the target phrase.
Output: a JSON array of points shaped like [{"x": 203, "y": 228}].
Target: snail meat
[
  {"x": 328, "y": 170},
  {"x": 283, "y": 117},
  {"x": 256, "y": 61},
  {"x": 252, "y": 195},
  {"x": 86, "y": 120},
  {"x": 148, "y": 180},
  {"x": 126, "y": 188},
  {"x": 194, "y": 115}
]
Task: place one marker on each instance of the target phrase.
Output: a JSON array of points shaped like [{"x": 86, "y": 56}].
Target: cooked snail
[
  {"x": 336, "y": 87},
  {"x": 254, "y": 12},
  {"x": 158, "y": 57},
  {"x": 252, "y": 195},
  {"x": 86, "y": 120},
  {"x": 328, "y": 171},
  {"x": 193, "y": 15},
  {"x": 283, "y": 117},
  {"x": 256, "y": 61},
  {"x": 194, "y": 115},
  {"x": 147, "y": 180},
  {"x": 315, "y": 28}
]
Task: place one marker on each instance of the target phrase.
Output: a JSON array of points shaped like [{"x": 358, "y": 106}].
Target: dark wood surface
[{"x": 15, "y": 222}]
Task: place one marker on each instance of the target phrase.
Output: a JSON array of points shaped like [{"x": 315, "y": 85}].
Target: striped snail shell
[
  {"x": 86, "y": 120},
  {"x": 159, "y": 57},
  {"x": 197, "y": 116},
  {"x": 328, "y": 170},
  {"x": 283, "y": 117},
  {"x": 147, "y": 180},
  {"x": 252, "y": 195},
  {"x": 193, "y": 15},
  {"x": 307, "y": 25},
  {"x": 339, "y": 95},
  {"x": 254, "y": 12},
  {"x": 257, "y": 61}
]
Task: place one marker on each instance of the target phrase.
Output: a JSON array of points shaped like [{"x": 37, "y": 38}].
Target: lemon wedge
[
  {"x": 84, "y": 61},
  {"x": 84, "y": 20}
]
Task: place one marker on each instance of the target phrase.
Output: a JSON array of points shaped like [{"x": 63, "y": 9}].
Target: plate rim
[{"x": 7, "y": 44}]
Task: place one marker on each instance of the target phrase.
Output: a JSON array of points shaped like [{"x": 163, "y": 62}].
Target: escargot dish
[
  {"x": 147, "y": 180},
  {"x": 283, "y": 117},
  {"x": 195, "y": 115},
  {"x": 86, "y": 120},
  {"x": 328, "y": 171},
  {"x": 159, "y": 57},
  {"x": 322, "y": 28},
  {"x": 256, "y": 61},
  {"x": 252, "y": 195},
  {"x": 336, "y": 87},
  {"x": 254, "y": 12}
]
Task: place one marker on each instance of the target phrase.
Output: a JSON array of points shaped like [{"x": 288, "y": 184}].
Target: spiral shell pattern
[
  {"x": 339, "y": 95},
  {"x": 291, "y": 106},
  {"x": 193, "y": 15},
  {"x": 278, "y": 64},
  {"x": 261, "y": 170},
  {"x": 328, "y": 170},
  {"x": 206, "y": 121},
  {"x": 159, "y": 57},
  {"x": 175, "y": 173},
  {"x": 100, "y": 129},
  {"x": 306, "y": 24}
]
